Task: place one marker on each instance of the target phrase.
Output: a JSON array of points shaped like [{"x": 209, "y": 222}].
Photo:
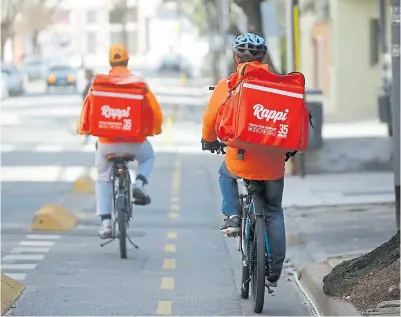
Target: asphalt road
[{"x": 184, "y": 265}]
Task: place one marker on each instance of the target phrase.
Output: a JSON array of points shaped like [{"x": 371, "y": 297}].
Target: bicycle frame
[{"x": 121, "y": 189}]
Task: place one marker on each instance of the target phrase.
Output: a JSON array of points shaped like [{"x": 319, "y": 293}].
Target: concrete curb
[
  {"x": 311, "y": 279},
  {"x": 11, "y": 290}
]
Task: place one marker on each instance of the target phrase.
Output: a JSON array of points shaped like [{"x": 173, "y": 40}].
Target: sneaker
[
  {"x": 232, "y": 224},
  {"x": 141, "y": 197},
  {"x": 105, "y": 231},
  {"x": 269, "y": 283}
]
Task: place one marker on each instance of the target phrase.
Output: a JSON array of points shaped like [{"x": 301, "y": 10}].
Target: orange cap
[{"x": 118, "y": 53}]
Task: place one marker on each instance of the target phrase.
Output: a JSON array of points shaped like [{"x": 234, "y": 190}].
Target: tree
[
  {"x": 36, "y": 16},
  {"x": 251, "y": 9},
  {"x": 9, "y": 11}
]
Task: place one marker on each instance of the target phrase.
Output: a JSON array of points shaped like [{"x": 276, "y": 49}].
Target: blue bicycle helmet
[{"x": 249, "y": 44}]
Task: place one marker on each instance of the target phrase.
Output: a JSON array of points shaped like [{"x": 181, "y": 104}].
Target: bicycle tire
[
  {"x": 121, "y": 219},
  {"x": 245, "y": 268},
  {"x": 259, "y": 262}
]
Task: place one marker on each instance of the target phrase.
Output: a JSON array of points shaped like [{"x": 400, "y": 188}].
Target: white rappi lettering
[
  {"x": 109, "y": 112},
  {"x": 262, "y": 113}
]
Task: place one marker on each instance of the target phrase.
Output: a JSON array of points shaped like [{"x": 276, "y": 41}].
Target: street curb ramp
[
  {"x": 311, "y": 278},
  {"x": 10, "y": 291}
]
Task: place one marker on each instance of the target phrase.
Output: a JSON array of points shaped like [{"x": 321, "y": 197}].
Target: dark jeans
[{"x": 273, "y": 196}]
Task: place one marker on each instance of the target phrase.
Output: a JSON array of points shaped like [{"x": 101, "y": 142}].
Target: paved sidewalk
[{"x": 338, "y": 189}]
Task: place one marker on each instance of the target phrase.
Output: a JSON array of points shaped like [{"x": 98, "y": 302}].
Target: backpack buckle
[{"x": 240, "y": 154}]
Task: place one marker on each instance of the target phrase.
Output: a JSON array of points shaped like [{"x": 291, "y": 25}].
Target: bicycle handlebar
[{"x": 212, "y": 87}]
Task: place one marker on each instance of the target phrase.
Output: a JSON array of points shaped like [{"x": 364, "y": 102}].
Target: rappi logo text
[
  {"x": 109, "y": 112},
  {"x": 261, "y": 113}
]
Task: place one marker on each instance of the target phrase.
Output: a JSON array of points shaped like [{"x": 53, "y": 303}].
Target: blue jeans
[{"x": 273, "y": 194}]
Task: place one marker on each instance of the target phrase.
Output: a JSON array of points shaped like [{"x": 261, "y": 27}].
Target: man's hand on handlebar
[{"x": 215, "y": 146}]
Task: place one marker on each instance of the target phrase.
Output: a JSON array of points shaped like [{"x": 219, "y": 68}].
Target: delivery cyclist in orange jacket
[
  {"x": 140, "y": 148},
  {"x": 249, "y": 49}
]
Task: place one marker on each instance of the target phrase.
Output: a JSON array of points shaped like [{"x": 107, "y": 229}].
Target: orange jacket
[
  {"x": 255, "y": 165},
  {"x": 157, "y": 118}
]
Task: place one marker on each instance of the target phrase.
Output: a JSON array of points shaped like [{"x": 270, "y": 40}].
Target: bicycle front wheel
[{"x": 258, "y": 262}]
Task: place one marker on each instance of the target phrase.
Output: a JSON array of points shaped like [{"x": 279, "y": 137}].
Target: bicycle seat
[{"x": 120, "y": 157}]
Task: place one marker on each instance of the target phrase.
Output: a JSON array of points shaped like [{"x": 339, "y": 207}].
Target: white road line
[
  {"x": 30, "y": 250},
  {"x": 43, "y": 236},
  {"x": 54, "y": 148},
  {"x": 7, "y": 148},
  {"x": 71, "y": 173},
  {"x": 12, "y": 267},
  {"x": 23, "y": 257},
  {"x": 37, "y": 243},
  {"x": 16, "y": 276}
]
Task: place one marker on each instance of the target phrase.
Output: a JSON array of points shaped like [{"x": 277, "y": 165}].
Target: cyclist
[
  {"x": 141, "y": 149},
  {"x": 250, "y": 50}
]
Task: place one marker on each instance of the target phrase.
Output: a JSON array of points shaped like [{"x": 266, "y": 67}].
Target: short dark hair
[
  {"x": 122, "y": 63},
  {"x": 247, "y": 59}
]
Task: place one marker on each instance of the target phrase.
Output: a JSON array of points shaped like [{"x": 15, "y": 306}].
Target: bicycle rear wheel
[
  {"x": 244, "y": 247},
  {"x": 259, "y": 261}
]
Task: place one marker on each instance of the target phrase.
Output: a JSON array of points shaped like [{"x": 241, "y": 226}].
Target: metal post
[
  {"x": 289, "y": 37},
  {"x": 225, "y": 25},
  {"x": 395, "y": 53}
]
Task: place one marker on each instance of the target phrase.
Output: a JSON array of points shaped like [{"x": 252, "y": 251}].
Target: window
[
  {"x": 374, "y": 29},
  {"x": 117, "y": 37},
  {"x": 116, "y": 16},
  {"x": 132, "y": 39},
  {"x": 91, "y": 42},
  {"x": 91, "y": 16}
]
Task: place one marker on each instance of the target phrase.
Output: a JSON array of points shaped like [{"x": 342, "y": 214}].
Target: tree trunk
[{"x": 251, "y": 9}]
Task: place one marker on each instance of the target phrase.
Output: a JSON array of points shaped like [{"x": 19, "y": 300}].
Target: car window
[{"x": 61, "y": 68}]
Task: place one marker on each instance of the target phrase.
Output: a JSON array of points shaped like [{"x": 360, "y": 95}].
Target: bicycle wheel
[
  {"x": 244, "y": 245},
  {"x": 121, "y": 219},
  {"x": 258, "y": 269}
]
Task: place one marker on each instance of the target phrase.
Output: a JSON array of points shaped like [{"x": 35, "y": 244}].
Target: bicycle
[
  {"x": 253, "y": 244},
  {"x": 122, "y": 204}
]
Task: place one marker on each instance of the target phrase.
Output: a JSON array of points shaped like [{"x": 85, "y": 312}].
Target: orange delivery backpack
[
  {"x": 264, "y": 112},
  {"x": 118, "y": 108}
]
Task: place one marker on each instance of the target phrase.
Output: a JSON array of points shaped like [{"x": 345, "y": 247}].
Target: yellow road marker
[
  {"x": 172, "y": 235},
  {"x": 164, "y": 307},
  {"x": 173, "y": 215},
  {"x": 167, "y": 283},
  {"x": 175, "y": 207},
  {"x": 169, "y": 248},
  {"x": 169, "y": 264},
  {"x": 175, "y": 199}
]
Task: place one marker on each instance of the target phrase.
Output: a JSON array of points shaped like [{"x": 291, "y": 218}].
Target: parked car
[
  {"x": 4, "y": 88},
  {"x": 14, "y": 80},
  {"x": 61, "y": 76},
  {"x": 34, "y": 68}
]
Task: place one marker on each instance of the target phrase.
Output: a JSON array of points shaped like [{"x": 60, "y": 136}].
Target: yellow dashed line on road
[
  {"x": 164, "y": 307},
  {"x": 172, "y": 235},
  {"x": 175, "y": 207},
  {"x": 169, "y": 248},
  {"x": 173, "y": 215},
  {"x": 167, "y": 283},
  {"x": 175, "y": 199},
  {"x": 169, "y": 264}
]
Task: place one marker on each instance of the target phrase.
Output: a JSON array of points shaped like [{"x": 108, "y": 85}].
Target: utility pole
[
  {"x": 395, "y": 53},
  {"x": 225, "y": 25}
]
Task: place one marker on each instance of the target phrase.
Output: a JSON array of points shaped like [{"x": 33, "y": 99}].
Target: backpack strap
[{"x": 241, "y": 152}]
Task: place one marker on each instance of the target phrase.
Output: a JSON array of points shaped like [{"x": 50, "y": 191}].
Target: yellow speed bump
[
  {"x": 10, "y": 291},
  {"x": 84, "y": 184},
  {"x": 53, "y": 217}
]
